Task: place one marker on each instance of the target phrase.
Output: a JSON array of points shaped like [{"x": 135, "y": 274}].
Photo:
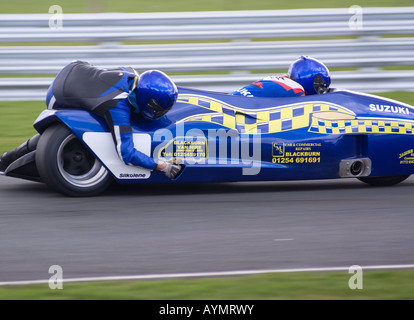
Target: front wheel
[
  {"x": 383, "y": 181},
  {"x": 66, "y": 165}
]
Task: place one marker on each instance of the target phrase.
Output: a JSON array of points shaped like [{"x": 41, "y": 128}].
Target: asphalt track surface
[{"x": 142, "y": 230}]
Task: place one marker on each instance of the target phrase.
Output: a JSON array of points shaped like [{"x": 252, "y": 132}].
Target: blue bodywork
[{"x": 268, "y": 139}]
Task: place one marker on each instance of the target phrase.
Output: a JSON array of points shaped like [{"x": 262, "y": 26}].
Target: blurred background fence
[{"x": 369, "y": 49}]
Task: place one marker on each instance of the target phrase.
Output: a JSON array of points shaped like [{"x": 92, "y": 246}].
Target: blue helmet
[
  {"x": 155, "y": 94},
  {"x": 311, "y": 74}
]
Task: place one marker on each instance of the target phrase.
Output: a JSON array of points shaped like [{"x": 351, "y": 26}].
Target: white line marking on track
[{"x": 208, "y": 274}]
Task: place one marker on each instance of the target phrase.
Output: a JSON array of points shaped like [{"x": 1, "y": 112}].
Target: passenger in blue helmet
[
  {"x": 306, "y": 76},
  {"x": 311, "y": 74},
  {"x": 113, "y": 94}
]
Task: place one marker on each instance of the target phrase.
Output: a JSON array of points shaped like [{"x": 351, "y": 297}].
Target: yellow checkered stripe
[
  {"x": 360, "y": 126},
  {"x": 257, "y": 122}
]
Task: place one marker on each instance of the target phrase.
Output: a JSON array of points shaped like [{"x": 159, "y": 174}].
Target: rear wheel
[
  {"x": 65, "y": 164},
  {"x": 384, "y": 181}
]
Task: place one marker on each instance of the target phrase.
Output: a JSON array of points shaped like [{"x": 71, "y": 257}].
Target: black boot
[
  {"x": 11, "y": 156},
  {"x": 3, "y": 165}
]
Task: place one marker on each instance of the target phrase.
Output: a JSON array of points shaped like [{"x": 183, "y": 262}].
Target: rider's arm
[{"x": 118, "y": 119}]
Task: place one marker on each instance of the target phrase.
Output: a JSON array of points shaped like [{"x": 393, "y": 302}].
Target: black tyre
[
  {"x": 66, "y": 165},
  {"x": 384, "y": 181}
]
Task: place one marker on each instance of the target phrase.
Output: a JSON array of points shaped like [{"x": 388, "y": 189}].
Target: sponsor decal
[
  {"x": 132, "y": 175},
  {"x": 407, "y": 157},
  {"x": 299, "y": 153},
  {"x": 389, "y": 109},
  {"x": 191, "y": 148}
]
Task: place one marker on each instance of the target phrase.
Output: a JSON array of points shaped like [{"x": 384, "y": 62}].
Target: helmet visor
[
  {"x": 155, "y": 110},
  {"x": 320, "y": 85}
]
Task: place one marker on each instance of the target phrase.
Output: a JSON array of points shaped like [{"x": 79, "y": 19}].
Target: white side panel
[{"x": 103, "y": 145}]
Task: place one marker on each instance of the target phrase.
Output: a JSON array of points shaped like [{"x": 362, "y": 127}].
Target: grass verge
[
  {"x": 16, "y": 122},
  {"x": 376, "y": 285},
  {"x": 90, "y": 6}
]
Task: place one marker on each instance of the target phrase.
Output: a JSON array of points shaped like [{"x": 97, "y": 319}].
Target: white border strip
[
  {"x": 208, "y": 274},
  {"x": 385, "y": 119}
]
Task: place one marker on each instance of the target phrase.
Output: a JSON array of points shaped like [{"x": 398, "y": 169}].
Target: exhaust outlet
[
  {"x": 350, "y": 168},
  {"x": 356, "y": 168}
]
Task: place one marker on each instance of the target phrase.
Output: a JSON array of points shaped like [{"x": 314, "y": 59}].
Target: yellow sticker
[
  {"x": 299, "y": 153},
  {"x": 407, "y": 157},
  {"x": 189, "y": 148}
]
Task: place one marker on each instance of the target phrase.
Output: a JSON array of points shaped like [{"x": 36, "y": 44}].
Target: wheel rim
[{"x": 77, "y": 165}]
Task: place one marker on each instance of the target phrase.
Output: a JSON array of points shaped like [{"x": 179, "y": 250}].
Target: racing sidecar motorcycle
[{"x": 223, "y": 138}]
